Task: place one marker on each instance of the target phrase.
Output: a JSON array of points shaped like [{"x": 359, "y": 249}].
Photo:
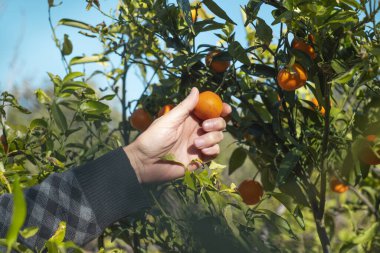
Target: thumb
[{"x": 184, "y": 109}]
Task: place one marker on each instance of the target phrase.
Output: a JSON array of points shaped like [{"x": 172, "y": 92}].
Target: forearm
[{"x": 88, "y": 198}]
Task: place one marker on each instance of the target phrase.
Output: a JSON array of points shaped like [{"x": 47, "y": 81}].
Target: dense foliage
[{"x": 299, "y": 141}]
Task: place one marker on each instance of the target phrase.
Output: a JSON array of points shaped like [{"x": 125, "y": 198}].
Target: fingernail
[
  {"x": 193, "y": 90},
  {"x": 199, "y": 142},
  {"x": 207, "y": 125}
]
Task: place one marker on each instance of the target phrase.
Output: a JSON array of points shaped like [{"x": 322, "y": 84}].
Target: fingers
[
  {"x": 208, "y": 140},
  {"x": 183, "y": 110},
  {"x": 211, "y": 151},
  {"x": 216, "y": 124},
  {"x": 226, "y": 110}
]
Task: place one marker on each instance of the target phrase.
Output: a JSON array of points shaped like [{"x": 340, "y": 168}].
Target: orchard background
[{"x": 311, "y": 140}]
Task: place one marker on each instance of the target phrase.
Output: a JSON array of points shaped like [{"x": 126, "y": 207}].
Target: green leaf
[
  {"x": 207, "y": 25},
  {"x": 291, "y": 206},
  {"x": 353, "y": 3},
  {"x": 345, "y": 77},
  {"x": 51, "y": 247},
  {"x": 59, "y": 234},
  {"x": 214, "y": 165},
  {"x": 171, "y": 158},
  {"x": 59, "y": 117},
  {"x": 67, "y": 47},
  {"x": 228, "y": 215},
  {"x": 42, "y": 97},
  {"x": 18, "y": 215},
  {"x": 238, "y": 52},
  {"x": 51, "y": 3},
  {"x": 251, "y": 10},
  {"x": 293, "y": 189},
  {"x": 71, "y": 131},
  {"x": 108, "y": 97},
  {"x": 338, "y": 66},
  {"x": 341, "y": 17},
  {"x": 71, "y": 76},
  {"x": 189, "y": 180},
  {"x": 55, "y": 79},
  {"x": 368, "y": 235},
  {"x": 279, "y": 222},
  {"x": 179, "y": 60},
  {"x": 56, "y": 162},
  {"x": 259, "y": 70},
  {"x": 75, "y": 23},
  {"x": 29, "y": 232},
  {"x": 237, "y": 159},
  {"x": 346, "y": 247},
  {"x": 287, "y": 164},
  {"x": 88, "y": 59},
  {"x": 71, "y": 86},
  {"x": 38, "y": 123},
  {"x": 263, "y": 31},
  {"x": 94, "y": 107},
  {"x": 185, "y": 7},
  {"x": 285, "y": 17},
  {"x": 214, "y": 8}
]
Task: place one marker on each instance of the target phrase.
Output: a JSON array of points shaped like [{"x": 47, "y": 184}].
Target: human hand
[{"x": 181, "y": 134}]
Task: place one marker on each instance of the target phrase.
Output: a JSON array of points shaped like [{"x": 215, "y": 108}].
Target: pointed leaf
[
  {"x": 88, "y": 59},
  {"x": 212, "y": 6},
  {"x": 263, "y": 31},
  {"x": 71, "y": 76},
  {"x": 38, "y": 123},
  {"x": 59, "y": 117},
  {"x": 238, "y": 52},
  {"x": 75, "y": 23},
  {"x": 237, "y": 159},
  {"x": 29, "y": 232},
  {"x": 18, "y": 213},
  {"x": 287, "y": 164},
  {"x": 189, "y": 180}
]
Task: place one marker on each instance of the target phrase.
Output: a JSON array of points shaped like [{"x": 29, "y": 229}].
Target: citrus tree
[{"x": 305, "y": 96}]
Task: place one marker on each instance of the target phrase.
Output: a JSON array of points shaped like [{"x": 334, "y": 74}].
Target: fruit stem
[
  {"x": 257, "y": 173},
  {"x": 291, "y": 63}
]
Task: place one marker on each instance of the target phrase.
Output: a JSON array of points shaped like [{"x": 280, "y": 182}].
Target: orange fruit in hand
[
  {"x": 292, "y": 80},
  {"x": 304, "y": 47},
  {"x": 164, "y": 110},
  {"x": 194, "y": 15},
  {"x": 337, "y": 186},
  {"x": 215, "y": 65},
  {"x": 250, "y": 191},
  {"x": 209, "y": 106},
  {"x": 367, "y": 155},
  {"x": 140, "y": 119}
]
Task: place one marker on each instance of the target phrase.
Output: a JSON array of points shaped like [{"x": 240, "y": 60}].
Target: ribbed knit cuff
[{"x": 111, "y": 187}]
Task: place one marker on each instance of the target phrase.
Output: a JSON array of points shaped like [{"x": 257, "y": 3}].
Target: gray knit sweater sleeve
[{"x": 88, "y": 198}]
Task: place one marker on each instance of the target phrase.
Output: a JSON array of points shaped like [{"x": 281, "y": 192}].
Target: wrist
[{"x": 134, "y": 158}]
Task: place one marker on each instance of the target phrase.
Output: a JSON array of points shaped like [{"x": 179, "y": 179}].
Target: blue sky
[{"x": 28, "y": 51}]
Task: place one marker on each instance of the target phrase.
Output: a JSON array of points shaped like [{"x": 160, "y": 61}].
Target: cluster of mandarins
[{"x": 295, "y": 76}]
